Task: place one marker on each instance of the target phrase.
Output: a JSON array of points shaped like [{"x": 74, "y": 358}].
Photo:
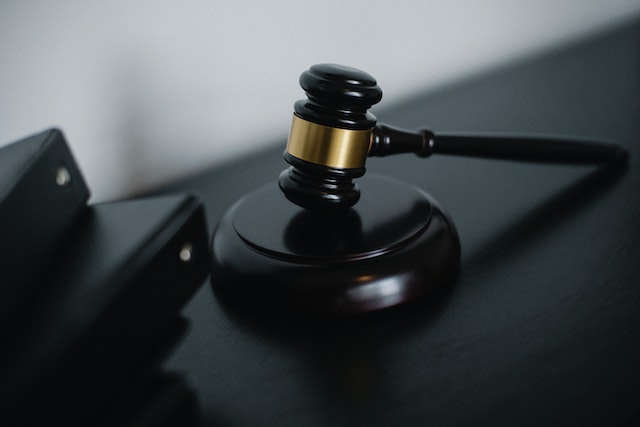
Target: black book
[
  {"x": 162, "y": 399},
  {"x": 126, "y": 271},
  {"x": 42, "y": 192}
]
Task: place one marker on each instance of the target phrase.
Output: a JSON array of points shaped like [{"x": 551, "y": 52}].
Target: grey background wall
[{"x": 147, "y": 91}]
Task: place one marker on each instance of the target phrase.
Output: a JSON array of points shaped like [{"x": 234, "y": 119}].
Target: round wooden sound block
[{"x": 394, "y": 246}]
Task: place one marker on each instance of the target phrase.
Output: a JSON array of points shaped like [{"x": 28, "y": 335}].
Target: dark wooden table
[{"x": 542, "y": 327}]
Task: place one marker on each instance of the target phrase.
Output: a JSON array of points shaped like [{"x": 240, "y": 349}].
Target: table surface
[{"x": 542, "y": 326}]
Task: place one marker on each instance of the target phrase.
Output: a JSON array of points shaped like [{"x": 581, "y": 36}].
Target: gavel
[
  {"x": 332, "y": 251},
  {"x": 333, "y": 133}
]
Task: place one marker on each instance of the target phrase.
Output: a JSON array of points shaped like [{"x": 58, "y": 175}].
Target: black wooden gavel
[{"x": 332, "y": 134}]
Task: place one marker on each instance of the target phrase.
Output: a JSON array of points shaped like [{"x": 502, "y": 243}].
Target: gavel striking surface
[{"x": 394, "y": 246}]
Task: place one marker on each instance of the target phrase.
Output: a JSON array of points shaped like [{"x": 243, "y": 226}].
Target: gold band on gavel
[{"x": 328, "y": 146}]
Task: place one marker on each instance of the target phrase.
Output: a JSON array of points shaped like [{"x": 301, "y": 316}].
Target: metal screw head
[
  {"x": 63, "y": 177},
  {"x": 186, "y": 252}
]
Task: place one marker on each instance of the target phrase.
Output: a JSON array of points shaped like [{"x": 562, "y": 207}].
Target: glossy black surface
[
  {"x": 395, "y": 246},
  {"x": 388, "y": 140},
  {"x": 319, "y": 188},
  {"x": 338, "y": 96},
  {"x": 543, "y": 323},
  {"x": 532, "y": 149}
]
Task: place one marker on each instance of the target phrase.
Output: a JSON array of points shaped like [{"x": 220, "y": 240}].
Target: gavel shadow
[
  {"x": 346, "y": 358},
  {"x": 545, "y": 217}
]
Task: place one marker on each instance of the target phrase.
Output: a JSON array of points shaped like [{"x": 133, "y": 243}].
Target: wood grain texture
[{"x": 542, "y": 326}]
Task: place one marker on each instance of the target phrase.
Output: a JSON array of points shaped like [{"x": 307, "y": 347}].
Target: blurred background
[{"x": 148, "y": 91}]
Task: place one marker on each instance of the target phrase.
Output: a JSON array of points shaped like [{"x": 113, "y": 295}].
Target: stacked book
[{"x": 90, "y": 295}]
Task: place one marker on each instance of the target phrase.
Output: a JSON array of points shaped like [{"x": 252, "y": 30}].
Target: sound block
[{"x": 395, "y": 245}]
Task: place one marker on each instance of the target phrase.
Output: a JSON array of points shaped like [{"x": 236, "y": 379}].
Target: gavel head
[{"x": 330, "y": 137}]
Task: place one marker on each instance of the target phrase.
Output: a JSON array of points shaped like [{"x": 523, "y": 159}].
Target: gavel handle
[{"x": 388, "y": 140}]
